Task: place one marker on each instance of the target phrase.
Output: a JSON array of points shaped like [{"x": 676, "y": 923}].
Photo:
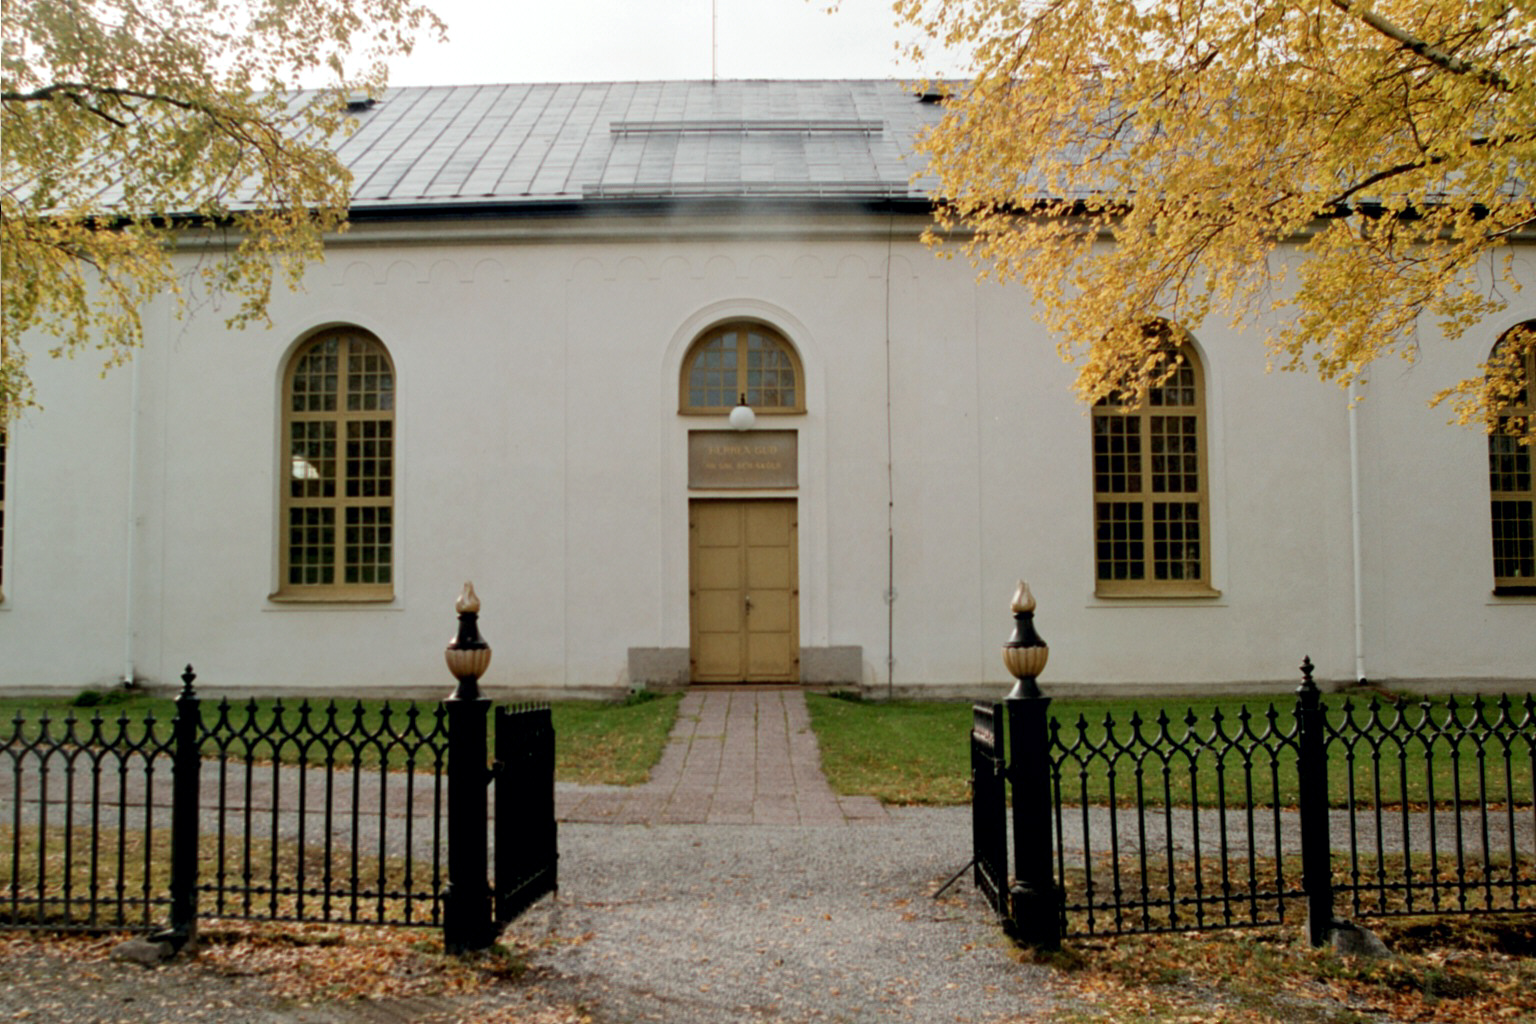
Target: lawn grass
[
  {"x": 916, "y": 752},
  {"x": 105, "y": 878},
  {"x": 903, "y": 752},
  {"x": 596, "y": 741}
]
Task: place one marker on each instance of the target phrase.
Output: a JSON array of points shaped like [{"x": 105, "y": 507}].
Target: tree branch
[
  {"x": 1447, "y": 61},
  {"x": 1410, "y": 166},
  {"x": 77, "y": 91}
]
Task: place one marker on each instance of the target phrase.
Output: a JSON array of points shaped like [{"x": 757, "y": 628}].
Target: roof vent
[
  {"x": 932, "y": 96},
  {"x": 358, "y": 102},
  {"x": 750, "y": 126}
]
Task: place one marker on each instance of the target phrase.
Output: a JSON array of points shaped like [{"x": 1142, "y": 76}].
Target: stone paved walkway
[{"x": 742, "y": 756}]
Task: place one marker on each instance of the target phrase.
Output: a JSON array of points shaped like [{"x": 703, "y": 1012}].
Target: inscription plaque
[{"x": 743, "y": 459}]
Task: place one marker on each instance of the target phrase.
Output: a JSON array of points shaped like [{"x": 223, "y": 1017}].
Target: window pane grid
[
  {"x": 315, "y": 379},
  {"x": 1175, "y": 449},
  {"x": 369, "y": 537},
  {"x": 341, "y": 465},
  {"x": 370, "y": 459},
  {"x": 1116, "y": 454},
  {"x": 1512, "y": 497},
  {"x": 770, "y": 374},
  {"x": 712, "y": 378},
  {"x": 311, "y": 546},
  {"x": 1509, "y": 463},
  {"x": 1121, "y": 541},
  {"x": 1514, "y": 541},
  {"x": 1177, "y": 390},
  {"x": 1176, "y": 540},
  {"x": 370, "y": 383},
  {"x": 312, "y": 450},
  {"x": 1142, "y": 454},
  {"x": 741, "y": 362}
]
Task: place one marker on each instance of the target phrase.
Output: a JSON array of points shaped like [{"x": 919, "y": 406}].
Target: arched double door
[{"x": 744, "y": 591}]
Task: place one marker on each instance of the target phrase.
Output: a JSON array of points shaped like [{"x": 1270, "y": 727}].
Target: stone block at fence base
[
  {"x": 146, "y": 952},
  {"x": 1355, "y": 940}
]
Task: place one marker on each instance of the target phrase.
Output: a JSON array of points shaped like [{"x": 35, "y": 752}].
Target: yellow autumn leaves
[
  {"x": 132, "y": 129},
  {"x": 1339, "y": 175}
]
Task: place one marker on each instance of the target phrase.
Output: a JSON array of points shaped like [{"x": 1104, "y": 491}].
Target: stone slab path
[{"x": 736, "y": 756}]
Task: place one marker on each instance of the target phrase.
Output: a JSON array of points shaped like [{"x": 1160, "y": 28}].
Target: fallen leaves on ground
[
  {"x": 329, "y": 964},
  {"x": 1445, "y": 970}
]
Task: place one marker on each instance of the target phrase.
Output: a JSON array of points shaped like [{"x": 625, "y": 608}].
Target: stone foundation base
[{"x": 666, "y": 668}]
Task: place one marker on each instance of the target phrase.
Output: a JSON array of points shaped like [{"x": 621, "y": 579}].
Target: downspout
[
  {"x": 890, "y": 482},
  {"x": 1354, "y": 523},
  {"x": 131, "y": 527}
]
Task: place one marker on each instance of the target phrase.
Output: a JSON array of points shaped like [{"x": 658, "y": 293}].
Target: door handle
[{"x": 749, "y": 604}]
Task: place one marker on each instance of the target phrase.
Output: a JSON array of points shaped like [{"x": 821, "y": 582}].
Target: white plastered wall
[{"x": 541, "y": 455}]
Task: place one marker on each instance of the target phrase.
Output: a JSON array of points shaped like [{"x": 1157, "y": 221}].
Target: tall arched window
[
  {"x": 741, "y": 360},
  {"x": 1510, "y": 446},
  {"x": 1151, "y": 504},
  {"x": 339, "y": 485}
]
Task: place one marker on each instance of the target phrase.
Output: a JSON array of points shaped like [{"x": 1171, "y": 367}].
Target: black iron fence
[
  {"x": 331, "y": 812},
  {"x": 1264, "y": 817}
]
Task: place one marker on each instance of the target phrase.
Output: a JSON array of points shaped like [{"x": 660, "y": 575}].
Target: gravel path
[{"x": 696, "y": 924}]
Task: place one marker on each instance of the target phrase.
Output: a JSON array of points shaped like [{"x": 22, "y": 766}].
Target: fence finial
[
  {"x": 468, "y": 601},
  {"x": 1306, "y": 674},
  {"x": 1025, "y": 653},
  {"x": 468, "y": 655}
]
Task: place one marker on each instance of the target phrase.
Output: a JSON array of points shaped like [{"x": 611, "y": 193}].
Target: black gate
[
  {"x": 989, "y": 804},
  {"x": 527, "y": 847}
]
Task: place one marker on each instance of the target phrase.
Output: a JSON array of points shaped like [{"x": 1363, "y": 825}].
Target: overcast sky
[{"x": 492, "y": 41}]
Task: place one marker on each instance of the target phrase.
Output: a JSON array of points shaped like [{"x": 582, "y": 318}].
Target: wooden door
[{"x": 744, "y": 592}]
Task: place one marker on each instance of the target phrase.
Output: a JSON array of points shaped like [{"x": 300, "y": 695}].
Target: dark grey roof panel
[{"x": 499, "y": 144}]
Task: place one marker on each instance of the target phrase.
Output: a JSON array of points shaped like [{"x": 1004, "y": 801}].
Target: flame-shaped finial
[
  {"x": 468, "y": 602},
  {"x": 1023, "y": 600},
  {"x": 468, "y": 654},
  {"x": 1026, "y": 652}
]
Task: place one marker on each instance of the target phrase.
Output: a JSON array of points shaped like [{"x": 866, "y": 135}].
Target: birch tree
[
  {"x": 131, "y": 127},
  {"x": 1391, "y": 142}
]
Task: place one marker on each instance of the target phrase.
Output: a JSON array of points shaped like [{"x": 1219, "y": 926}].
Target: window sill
[
  {"x": 1515, "y": 595},
  {"x": 724, "y": 413},
  {"x": 1153, "y": 595},
  {"x": 360, "y": 596}
]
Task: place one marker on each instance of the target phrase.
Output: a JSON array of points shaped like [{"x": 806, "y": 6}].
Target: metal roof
[{"x": 501, "y": 146}]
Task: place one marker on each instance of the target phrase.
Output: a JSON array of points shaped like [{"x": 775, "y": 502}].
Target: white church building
[{"x": 525, "y": 364}]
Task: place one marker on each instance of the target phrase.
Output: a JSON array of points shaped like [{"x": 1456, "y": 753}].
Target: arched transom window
[
  {"x": 338, "y": 491},
  {"x": 1151, "y": 504},
  {"x": 742, "y": 361},
  {"x": 1510, "y": 447}
]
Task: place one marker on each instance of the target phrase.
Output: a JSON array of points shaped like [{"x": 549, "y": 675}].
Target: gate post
[
  {"x": 468, "y": 923},
  {"x": 1312, "y": 783},
  {"x": 1036, "y": 902},
  {"x": 186, "y": 777}
]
